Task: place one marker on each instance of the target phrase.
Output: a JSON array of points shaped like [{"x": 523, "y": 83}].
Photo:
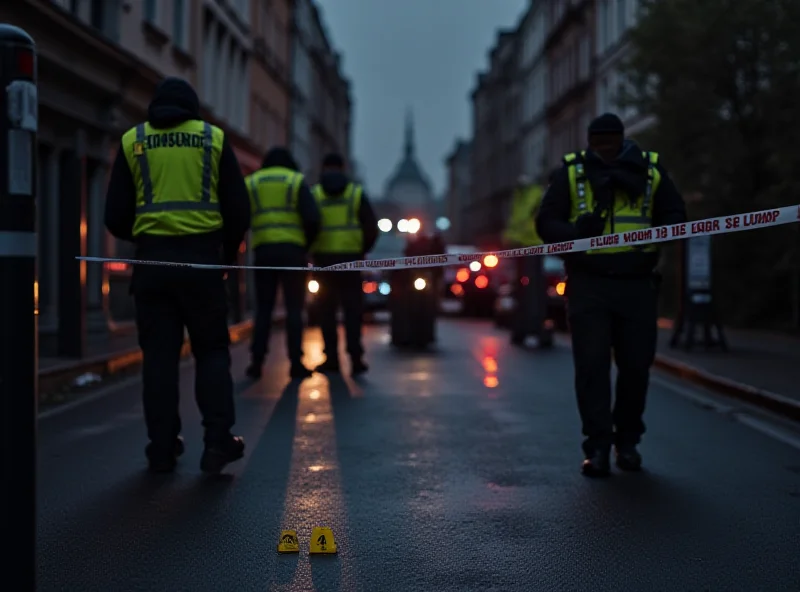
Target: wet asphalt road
[{"x": 452, "y": 470}]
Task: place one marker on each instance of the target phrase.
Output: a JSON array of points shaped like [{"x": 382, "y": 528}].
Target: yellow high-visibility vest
[
  {"x": 176, "y": 172},
  {"x": 628, "y": 215},
  {"x": 521, "y": 227},
  {"x": 273, "y": 203},
  {"x": 341, "y": 230}
]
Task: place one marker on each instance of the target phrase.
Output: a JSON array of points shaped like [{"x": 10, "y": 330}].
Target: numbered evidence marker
[
  {"x": 322, "y": 542},
  {"x": 288, "y": 542}
]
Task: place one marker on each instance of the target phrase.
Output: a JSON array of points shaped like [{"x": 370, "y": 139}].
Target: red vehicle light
[{"x": 481, "y": 282}]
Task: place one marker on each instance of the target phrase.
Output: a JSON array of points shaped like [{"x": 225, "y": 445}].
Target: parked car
[
  {"x": 556, "y": 277},
  {"x": 475, "y": 285}
]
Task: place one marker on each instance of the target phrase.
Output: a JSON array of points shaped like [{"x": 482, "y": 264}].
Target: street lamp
[
  {"x": 414, "y": 225},
  {"x": 443, "y": 223},
  {"x": 384, "y": 225}
]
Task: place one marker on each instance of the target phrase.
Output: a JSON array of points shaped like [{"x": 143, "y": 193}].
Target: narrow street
[{"x": 456, "y": 469}]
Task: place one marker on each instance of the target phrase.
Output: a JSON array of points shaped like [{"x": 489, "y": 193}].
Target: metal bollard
[{"x": 18, "y": 305}]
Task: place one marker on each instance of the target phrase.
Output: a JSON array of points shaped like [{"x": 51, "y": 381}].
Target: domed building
[{"x": 408, "y": 192}]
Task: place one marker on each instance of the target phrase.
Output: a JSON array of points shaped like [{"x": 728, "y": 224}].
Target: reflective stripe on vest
[
  {"x": 273, "y": 200},
  {"x": 625, "y": 216},
  {"x": 341, "y": 230},
  {"x": 180, "y": 196}
]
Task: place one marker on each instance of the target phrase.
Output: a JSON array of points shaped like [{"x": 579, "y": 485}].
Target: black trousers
[
  {"x": 167, "y": 300},
  {"x": 293, "y": 284},
  {"x": 531, "y": 298},
  {"x": 341, "y": 288},
  {"x": 608, "y": 314}
]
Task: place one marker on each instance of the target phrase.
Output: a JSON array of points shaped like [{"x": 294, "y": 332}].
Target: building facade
[
  {"x": 614, "y": 19},
  {"x": 534, "y": 74},
  {"x": 459, "y": 180},
  {"x": 270, "y": 72},
  {"x": 90, "y": 87},
  {"x": 495, "y": 155},
  {"x": 570, "y": 92},
  {"x": 330, "y": 99},
  {"x": 99, "y": 62},
  {"x": 321, "y": 102}
]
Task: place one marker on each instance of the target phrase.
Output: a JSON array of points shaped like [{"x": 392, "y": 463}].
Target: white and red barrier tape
[{"x": 660, "y": 234}]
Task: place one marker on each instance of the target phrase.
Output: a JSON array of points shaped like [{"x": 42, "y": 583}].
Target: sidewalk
[
  {"x": 761, "y": 368},
  {"x": 113, "y": 354}
]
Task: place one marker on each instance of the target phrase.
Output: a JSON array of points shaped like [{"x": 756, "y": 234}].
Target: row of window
[
  {"x": 614, "y": 18},
  {"x": 534, "y": 38},
  {"x": 535, "y": 96},
  {"x": 572, "y": 66},
  {"x": 226, "y": 79},
  {"x": 171, "y": 16},
  {"x": 273, "y": 31}
]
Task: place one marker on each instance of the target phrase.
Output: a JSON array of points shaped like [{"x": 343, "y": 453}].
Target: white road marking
[
  {"x": 693, "y": 395},
  {"x": 770, "y": 430},
  {"x": 765, "y": 426}
]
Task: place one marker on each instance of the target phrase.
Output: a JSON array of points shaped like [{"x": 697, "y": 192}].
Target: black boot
[
  {"x": 164, "y": 460},
  {"x": 218, "y": 455},
  {"x": 597, "y": 463},
  {"x": 628, "y": 458}
]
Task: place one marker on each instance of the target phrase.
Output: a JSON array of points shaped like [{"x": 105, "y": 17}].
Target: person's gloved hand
[{"x": 590, "y": 225}]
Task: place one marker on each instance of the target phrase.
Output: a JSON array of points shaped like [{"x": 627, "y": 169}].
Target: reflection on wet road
[{"x": 455, "y": 469}]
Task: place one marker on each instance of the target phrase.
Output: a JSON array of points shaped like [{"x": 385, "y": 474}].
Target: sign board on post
[
  {"x": 699, "y": 263},
  {"x": 697, "y": 302}
]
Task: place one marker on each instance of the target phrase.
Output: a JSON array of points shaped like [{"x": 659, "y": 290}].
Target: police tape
[{"x": 659, "y": 234}]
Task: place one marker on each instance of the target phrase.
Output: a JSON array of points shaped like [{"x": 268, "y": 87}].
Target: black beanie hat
[
  {"x": 177, "y": 92},
  {"x": 608, "y": 123},
  {"x": 278, "y": 156}
]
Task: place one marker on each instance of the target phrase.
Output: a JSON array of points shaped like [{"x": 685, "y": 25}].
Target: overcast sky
[{"x": 418, "y": 53}]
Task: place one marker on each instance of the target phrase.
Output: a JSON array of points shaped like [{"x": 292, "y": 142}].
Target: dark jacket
[
  {"x": 174, "y": 103},
  {"x": 334, "y": 184},
  {"x": 290, "y": 254},
  {"x": 629, "y": 174}
]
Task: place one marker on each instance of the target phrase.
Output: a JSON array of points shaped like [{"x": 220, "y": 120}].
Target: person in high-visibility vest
[
  {"x": 612, "y": 293},
  {"x": 349, "y": 231},
  {"x": 177, "y": 192},
  {"x": 286, "y": 222},
  {"x": 530, "y": 289}
]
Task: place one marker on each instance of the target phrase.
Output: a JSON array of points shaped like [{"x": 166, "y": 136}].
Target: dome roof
[{"x": 408, "y": 171}]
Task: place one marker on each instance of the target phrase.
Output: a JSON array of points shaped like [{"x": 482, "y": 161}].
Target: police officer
[
  {"x": 612, "y": 293},
  {"x": 286, "y": 221},
  {"x": 176, "y": 191},
  {"x": 349, "y": 231},
  {"x": 530, "y": 295}
]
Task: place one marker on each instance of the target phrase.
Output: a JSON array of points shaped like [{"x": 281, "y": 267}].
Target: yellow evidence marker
[
  {"x": 322, "y": 542},
  {"x": 288, "y": 542}
]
